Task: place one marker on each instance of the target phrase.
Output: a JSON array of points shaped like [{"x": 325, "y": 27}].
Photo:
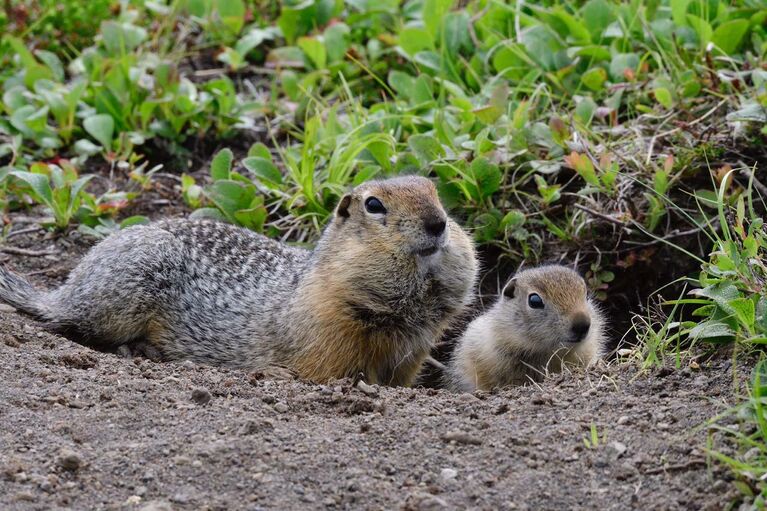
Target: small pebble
[
  {"x": 158, "y": 505},
  {"x": 281, "y": 407},
  {"x": 201, "y": 396},
  {"x": 69, "y": 460},
  {"x": 366, "y": 389},
  {"x": 460, "y": 437},
  {"x": 448, "y": 473}
]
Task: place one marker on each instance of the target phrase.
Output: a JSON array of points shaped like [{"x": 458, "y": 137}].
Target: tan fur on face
[
  {"x": 371, "y": 267},
  {"x": 512, "y": 344}
]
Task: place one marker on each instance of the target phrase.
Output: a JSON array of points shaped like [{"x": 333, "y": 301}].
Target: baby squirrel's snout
[{"x": 580, "y": 328}]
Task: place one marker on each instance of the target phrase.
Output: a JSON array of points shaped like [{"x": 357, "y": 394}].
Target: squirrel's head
[
  {"x": 400, "y": 215},
  {"x": 551, "y": 306}
]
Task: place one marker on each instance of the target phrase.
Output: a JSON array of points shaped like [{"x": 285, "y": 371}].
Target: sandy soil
[{"x": 83, "y": 429}]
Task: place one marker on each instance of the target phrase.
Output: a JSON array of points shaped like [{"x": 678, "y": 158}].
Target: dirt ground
[{"x": 83, "y": 429}]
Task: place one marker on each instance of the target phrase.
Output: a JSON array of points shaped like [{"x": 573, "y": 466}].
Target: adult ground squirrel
[
  {"x": 389, "y": 272},
  {"x": 542, "y": 321}
]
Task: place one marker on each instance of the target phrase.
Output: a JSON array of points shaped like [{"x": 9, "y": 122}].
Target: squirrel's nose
[
  {"x": 580, "y": 328},
  {"x": 435, "y": 226}
]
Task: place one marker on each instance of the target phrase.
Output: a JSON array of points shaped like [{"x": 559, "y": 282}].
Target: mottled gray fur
[{"x": 219, "y": 294}]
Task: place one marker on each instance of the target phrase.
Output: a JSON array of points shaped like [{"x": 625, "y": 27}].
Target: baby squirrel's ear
[
  {"x": 342, "y": 210},
  {"x": 511, "y": 286}
]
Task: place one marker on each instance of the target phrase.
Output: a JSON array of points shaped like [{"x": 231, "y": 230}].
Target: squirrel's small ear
[
  {"x": 508, "y": 290},
  {"x": 342, "y": 210}
]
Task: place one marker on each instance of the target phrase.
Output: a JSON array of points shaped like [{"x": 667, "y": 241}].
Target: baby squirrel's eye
[
  {"x": 374, "y": 206},
  {"x": 535, "y": 301}
]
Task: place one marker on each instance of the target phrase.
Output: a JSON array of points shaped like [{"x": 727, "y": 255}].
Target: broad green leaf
[
  {"x": 594, "y": 78},
  {"x": 252, "y": 39},
  {"x": 260, "y": 150},
  {"x": 119, "y": 38},
  {"x": 455, "y": 32},
  {"x": 585, "y": 109},
  {"x": 729, "y": 35},
  {"x": 209, "y": 214},
  {"x": 231, "y": 14},
  {"x": 509, "y": 61},
  {"x": 711, "y": 330},
  {"x": 702, "y": 29},
  {"x": 336, "y": 39},
  {"x": 39, "y": 183},
  {"x": 486, "y": 175},
  {"x": 433, "y": 14},
  {"x": 679, "y": 11},
  {"x": 597, "y": 15},
  {"x": 221, "y": 166},
  {"x": 53, "y": 62},
  {"x": 428, "y": 59},
  {"x": 230, "y": 196},
  {"x": 744, "y": 311},
  {"x": 134, "y": 220},
  {"x": 402, "y": 83},
  {"x": 663, "y": 96},
  {"x": 101, "y": 127},
  {"x": 264, "y": 170},
  {"x": 620, "y": 63},
  {"x": 488, "y": 114},
  {"x": 315, "y": 50},
  {"x": 426, "y": 148}
]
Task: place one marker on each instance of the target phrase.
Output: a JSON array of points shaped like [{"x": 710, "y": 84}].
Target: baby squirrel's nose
[
  {"x": 580, "y": 328},
  {"x": 435, "y": 225}
]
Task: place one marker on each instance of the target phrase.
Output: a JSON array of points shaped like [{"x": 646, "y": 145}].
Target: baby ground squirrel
[
  {"x": 389, "y": 272},
  {"x": 542, "y": 321}
]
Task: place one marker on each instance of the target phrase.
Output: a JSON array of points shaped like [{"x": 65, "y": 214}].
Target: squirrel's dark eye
[
  {"x": 374, "y": 206},
  {"x": 535, "y": 301}
]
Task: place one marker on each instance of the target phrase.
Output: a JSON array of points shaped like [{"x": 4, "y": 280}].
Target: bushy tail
[{"x": 19, "y": 293}]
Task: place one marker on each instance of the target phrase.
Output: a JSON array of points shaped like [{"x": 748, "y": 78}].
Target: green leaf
[
  {"x": 509, "y": 61},
  {"x": 260, "y": 150},
  {"x": 336, "y": 41},
  {"x": 315, "y": 50},
  {"x": 426, "y": 148},
  {"x": 729, "y": 35},
  {"x": 488, "y": 114},
  {"x": 402, "y": 83},
  {"x": 594, "y": 78},
  {"x": 455, "y": 32},
  {"x": 744, "y": 310},
  {"x": 221, "y": 166},
  {"x": 620, "y": 63},
  {"x": 702, "y": 29},
  {"x": 230, "y": 196},
  {"x": 433, "y": 14},
  {"x": 209, "y": 214},
  {"x": 101, "y": 127},
  {"x": 39, "y": 183},
  {"x": 487, "y": 177},
  {"x": 663, "y": 96},
  {"x": 85, "y": 147},
  {"x": 585, "y": 109},
  {"x": 264, "y": 170},
  {"x": 134, "y": 220},
  {"x": 414, "y": 39},
  {"x": 711, "y": 330},
  {"x": 597, "y": 15},
  {"x": 679, "y": 12},
  {"x": 119, "y": 38},
  {"x": 231, "y": 14},
  {"x": 252, "y": 39}
]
